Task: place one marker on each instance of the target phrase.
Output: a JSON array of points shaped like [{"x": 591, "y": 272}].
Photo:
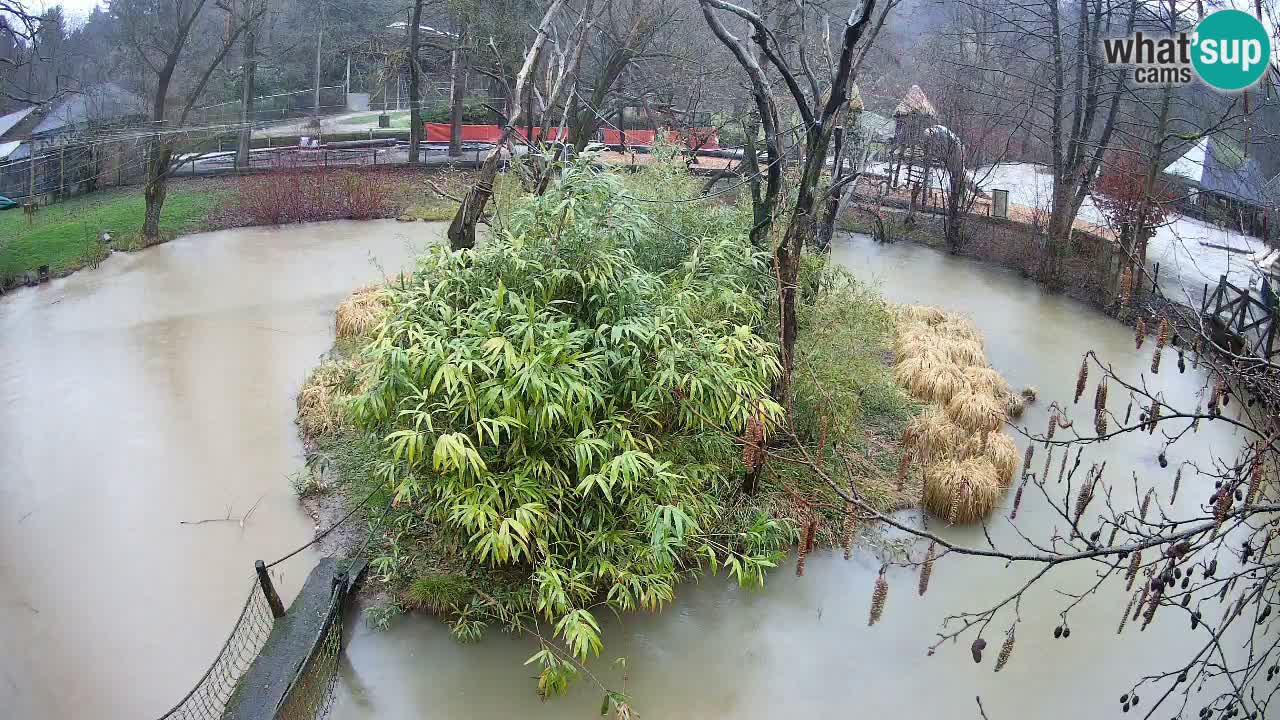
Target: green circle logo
[{"x": 1231, "y": 50}]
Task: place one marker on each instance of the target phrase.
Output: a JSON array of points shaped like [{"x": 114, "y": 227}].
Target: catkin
[
  {"x": 1026, "y": 459},
  {"x": 1082, "y": 378},
  {"x": 1053, "y": 425},
  {"x": 1126, "y": 287},
  {"x": 1083, "y": 498},
  {"x": 1152, "y": 604},
  {"x": 1162, "y": 334},
  {"x": 1177, "y": 481},
  {"x": 850, "y": 526},
  {"x": 1146, "y": 505},
  {"x": 1139, "y": 333},
  {"x": 1221, "y": 508},
  {"x": 1017, "y": 500},
  {"x": 1255, "y": 476},
  {"x": 1155, "y": 361},
  {"x": 1135, "y": 560},
  {"x": 1005, "y": 651},
  {"x": 1048, "y": 460},
  {"x": 926, "y": 570},
  {"x": 1100, "y": 395},
  {"x": 1127, "y": 609},
  {"x": 878, "y": 597},
  {"x": 1153, "y": 417},
  {"x": 810, "y": 529},
  {"x": 954, "y": 510}
]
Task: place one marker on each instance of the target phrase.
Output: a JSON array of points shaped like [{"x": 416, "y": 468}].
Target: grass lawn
[{"x": 63, "y": 234}]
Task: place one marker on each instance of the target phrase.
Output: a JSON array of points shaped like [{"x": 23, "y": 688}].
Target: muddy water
[
  {"x": 801, "y": 647},
  {"x": 157, "y": 389}
]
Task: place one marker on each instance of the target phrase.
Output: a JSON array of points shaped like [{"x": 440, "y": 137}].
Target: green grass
[
  {"x": 63, "y": 234},
  {"x": 399, "y": 118}
]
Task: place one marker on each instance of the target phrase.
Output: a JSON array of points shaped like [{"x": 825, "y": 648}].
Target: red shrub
[
  {"x": 1120, "y": 191},
  {"x": 288, "y": 196}
]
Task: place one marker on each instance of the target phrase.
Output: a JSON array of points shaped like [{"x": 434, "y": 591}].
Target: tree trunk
[
  {"x": 1058, "y": 236},
  {"x": 827, "y": 227},
  {"x": 415, "y": 91},
  {"x": 246, "y": 99},
  {"x": 457, "y": 94},
  {"x": 156, "y": 189},
  {"x": 462, "y": 230}
]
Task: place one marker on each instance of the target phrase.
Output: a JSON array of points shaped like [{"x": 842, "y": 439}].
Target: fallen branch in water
[{"x": 226, "y": 518}]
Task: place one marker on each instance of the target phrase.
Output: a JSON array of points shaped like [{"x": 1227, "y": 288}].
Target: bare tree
[
  {"x": 820, "y": 105},
  {"x": 159, "y": 34},
  {"x": 415, "y": 82},
  {"x": 462, "y": 230}
]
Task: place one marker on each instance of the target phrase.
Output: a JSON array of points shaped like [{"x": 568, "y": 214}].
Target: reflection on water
[
  {"x": 800, "y": 647},
  {"x": 157, "y": 389}
]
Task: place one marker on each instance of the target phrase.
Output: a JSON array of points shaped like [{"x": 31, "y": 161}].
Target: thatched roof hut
[{"x": 915, "y": 103}]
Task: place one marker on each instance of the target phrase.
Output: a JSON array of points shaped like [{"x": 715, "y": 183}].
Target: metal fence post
[{"x": 269, "y": 590}]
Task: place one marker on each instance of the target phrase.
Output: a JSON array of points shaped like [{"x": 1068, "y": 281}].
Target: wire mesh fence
[
  {"x": 209, "y": 698},
  {"x": 271, "y": 667},
  {"x": 311, "y": 694}
]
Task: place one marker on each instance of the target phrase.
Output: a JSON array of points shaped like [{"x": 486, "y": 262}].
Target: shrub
[
  {"x": 563, "y": 409},
  {"x": 312, "y": 195}
]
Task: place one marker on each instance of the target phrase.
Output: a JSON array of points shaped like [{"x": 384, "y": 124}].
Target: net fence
[
  {"x": 209, "y": 698},
  {"x": 304, "y": 694}
]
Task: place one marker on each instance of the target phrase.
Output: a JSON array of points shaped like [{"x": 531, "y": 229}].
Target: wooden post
[
  {"x": 62, "y": 171},
  {"x": 31, "y": 189},
  {"x": 269, "y": 590}
]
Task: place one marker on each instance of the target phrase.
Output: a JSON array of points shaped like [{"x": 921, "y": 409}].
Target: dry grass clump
[
  {"x": 961, "y": 491},
  {"x": 319, "y": 412},
  {"x": 932, "y": 435},
  {"x": 968, "y": 462},
  {"x": 965, "y": 352},
  {"x": 930, "y": 378},
  {"x": 1002, "y": 453},
  {"x": 986, "y": 380},
  {"x": 361, "y": 312},
  {"x": 976, "y": 411},
  {"x": 925, "y": 314}
]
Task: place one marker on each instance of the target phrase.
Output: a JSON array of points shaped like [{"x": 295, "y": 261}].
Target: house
[
  {"x": 55, "y": 123},
  {"x": 44, "y": 147},
  {"x": 1222, "y": 185}
]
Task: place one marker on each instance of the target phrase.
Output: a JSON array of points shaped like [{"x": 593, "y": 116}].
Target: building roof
[
  {"x": 104, "y": 102},
  {"x": 875, "y": 127},
  {"x": 915, "y": 103},
  {"x": 7, "y": 148},
  {"x": 8, "y": 121},
  {"x": 1218, "y": 167}
]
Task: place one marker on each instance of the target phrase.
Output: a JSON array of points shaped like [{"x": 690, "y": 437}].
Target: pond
[
  {"x": 155, "y": 390},
  {"x": 801, "y": 646},
  {"x": 160, "y": 389}
]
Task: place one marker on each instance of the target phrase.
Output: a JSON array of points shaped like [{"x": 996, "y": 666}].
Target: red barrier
[{"x": 439, "y": 133}]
